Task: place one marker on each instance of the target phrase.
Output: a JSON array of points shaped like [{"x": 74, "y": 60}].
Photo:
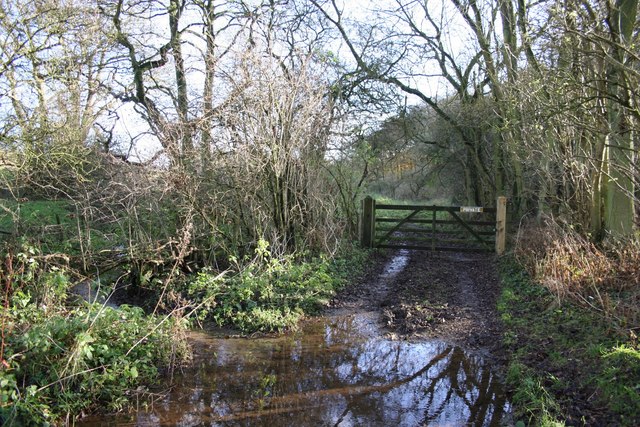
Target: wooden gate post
[
  {"x": 501, "y": 224},
  {"x": 368, "y": 222}
]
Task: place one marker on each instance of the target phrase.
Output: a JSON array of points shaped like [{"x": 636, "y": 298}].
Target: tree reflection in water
[{"x": 334, "y": 372}]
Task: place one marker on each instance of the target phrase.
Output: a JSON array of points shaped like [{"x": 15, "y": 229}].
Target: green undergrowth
[
  {"x": 269, "y": 293},
  {"x": 568, "y": 364},
  {"x": 59, "y": 359}
]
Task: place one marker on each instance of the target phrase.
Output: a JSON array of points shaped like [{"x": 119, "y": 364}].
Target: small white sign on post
[{"x": 472, "y": 209}]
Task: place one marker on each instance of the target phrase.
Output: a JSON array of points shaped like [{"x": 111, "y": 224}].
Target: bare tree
[
  {"x": 53, "y": 63},
  {"x": 410, "y": 48},
  {"x": 229, "y": 87}
]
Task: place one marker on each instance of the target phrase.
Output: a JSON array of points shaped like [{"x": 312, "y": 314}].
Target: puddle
[
  {"x": 336, "y": 371},
  {"x": 396, "y": 264}
]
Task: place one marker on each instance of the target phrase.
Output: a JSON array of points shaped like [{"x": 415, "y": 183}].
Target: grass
[
  {"x": 36, "y": 214},
  {"x": 54, "y": 227},
  {"x": 569, "y": 364},
  {"x": 50, "y": 224}
]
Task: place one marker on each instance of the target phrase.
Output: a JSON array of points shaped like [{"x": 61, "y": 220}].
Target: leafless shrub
[{"x": 272, "y": 163}]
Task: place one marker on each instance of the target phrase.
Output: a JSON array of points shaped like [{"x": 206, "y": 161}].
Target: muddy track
[{"x": 422, "y": 295}]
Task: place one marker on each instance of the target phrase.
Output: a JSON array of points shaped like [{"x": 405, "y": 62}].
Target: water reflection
[
  {"x": 396, "y": 264},
  {"x": 334, "y": 372}
]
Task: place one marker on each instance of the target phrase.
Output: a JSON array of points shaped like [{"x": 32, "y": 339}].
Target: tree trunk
[{"x": 619, "y": 203}]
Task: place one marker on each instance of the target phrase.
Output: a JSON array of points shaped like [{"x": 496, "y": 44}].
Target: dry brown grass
[{"x": 605, "y": 277}]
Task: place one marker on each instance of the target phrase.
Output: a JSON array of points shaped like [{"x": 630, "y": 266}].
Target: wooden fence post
[
  {"x": 368, "y": 222},
  {"x": 501, "y": 224}
]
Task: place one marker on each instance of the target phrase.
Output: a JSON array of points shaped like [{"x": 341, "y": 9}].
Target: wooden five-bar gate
[{"x": 435, "y": 228}]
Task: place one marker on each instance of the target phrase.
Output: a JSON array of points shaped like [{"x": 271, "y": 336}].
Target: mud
[{"x": 445, "y": 296}]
